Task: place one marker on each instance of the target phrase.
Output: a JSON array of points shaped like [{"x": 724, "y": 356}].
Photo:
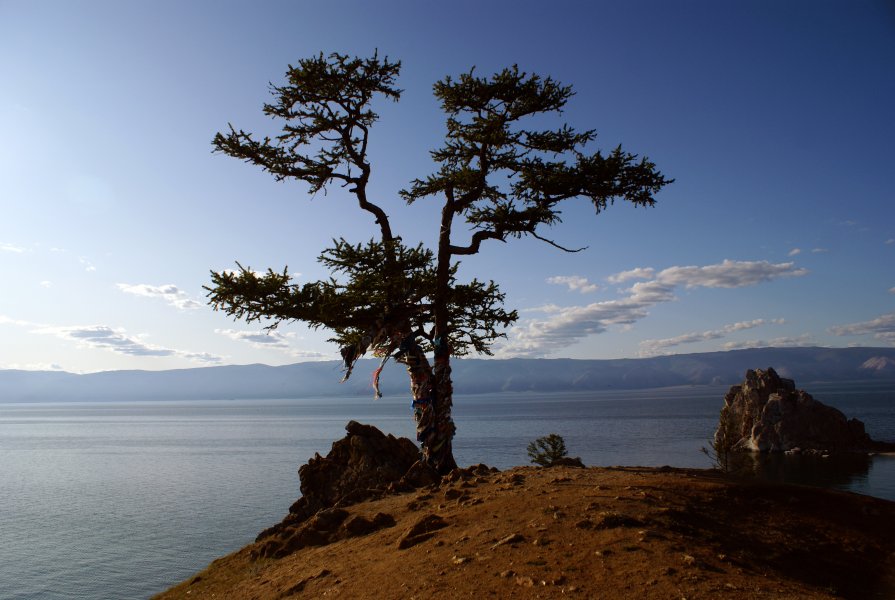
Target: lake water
[{"x": 122, "y": 500}]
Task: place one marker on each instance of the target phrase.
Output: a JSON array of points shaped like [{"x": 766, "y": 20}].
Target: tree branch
[
  {"x": 555, "y": 245},
  {"x": 477, "y": 238}
]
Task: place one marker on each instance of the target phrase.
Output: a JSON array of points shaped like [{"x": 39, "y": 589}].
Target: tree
[
  {"x": 546, "y": 450},
  {"x": 502, "y": 179}
]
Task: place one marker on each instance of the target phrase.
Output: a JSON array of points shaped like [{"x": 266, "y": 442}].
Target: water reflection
[{"x": 843, "y": 471}]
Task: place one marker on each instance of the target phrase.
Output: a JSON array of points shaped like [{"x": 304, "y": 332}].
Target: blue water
[{"x": 122, "y": 500}]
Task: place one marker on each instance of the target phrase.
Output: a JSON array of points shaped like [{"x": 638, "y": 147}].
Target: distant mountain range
[{"x": 471, "y": 376}]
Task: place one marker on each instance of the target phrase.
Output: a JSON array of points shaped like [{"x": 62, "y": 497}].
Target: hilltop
[
  {"x": 608, "y": 533},
  {"x": 374, "y": 522}
]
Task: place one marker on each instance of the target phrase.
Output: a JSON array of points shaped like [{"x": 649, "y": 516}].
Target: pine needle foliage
[{"x": 546, "y": 450}]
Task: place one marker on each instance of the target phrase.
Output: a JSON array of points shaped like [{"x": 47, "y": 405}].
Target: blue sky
[{"x": 774, "y": 118}]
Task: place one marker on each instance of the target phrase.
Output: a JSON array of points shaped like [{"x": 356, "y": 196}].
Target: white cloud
[
  {"x": 654, "y": 347},
  {"x": 6, "y": 320},
  {"x": 818, "y": 250},
  {"x": 892, "y": 290},
  {"x": 11, "y": 248},
  {"x": 637, "y": 273},
  {"x": 570, "y": 324},
  {"x": 545, "y": 308},
  {"x": 106, "y": 338},
  {"x": 169, "y": 293},
  {"x": 46, "y": 283},
  {"x": 269, "y": 339},
  {"x": 575, "y": 283},
  {"x": 33, "y": 366},
  {"x": 889, "y": 241},
  {"x": 881, "y": 328},
  {"x": 780, "y": 342},
  {"x": 115, "y": 340},
  {"x": 88, "y": 266},
  {"x": 795, "y": 252},
  {"x": 258, "y": 339},
  {"x": 729, "y": 274}
]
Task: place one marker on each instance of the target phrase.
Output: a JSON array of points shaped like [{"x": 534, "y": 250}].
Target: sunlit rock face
[
  {"x": 766, "y": 413},
  {"x": 879, "y": 365}
]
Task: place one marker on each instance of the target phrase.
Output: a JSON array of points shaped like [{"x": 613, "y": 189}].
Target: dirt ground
[{"x": 606, "y": 533}]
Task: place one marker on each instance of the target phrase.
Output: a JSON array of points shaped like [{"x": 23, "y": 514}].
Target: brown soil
[{"x": 604, "y": 533}]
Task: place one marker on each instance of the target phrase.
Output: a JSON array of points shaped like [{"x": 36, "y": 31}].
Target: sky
[{"x": 774, "y": 118}]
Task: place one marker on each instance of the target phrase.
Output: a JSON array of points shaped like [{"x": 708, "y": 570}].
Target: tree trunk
[
  {"x": 431, "y": 408},
  {"x": 442, "y": 456},
  {"x": 441, "y": 453}
]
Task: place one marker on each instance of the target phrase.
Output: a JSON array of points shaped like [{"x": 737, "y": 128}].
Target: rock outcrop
[
  {"x": 359, "y": 466},
  {"x": 363, "y": 465},
  {"x": 766, "y": 413},
  {"x": 879, "y": 365}
]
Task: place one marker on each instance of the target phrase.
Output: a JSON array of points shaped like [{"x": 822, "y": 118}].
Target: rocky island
[{"x": 766, "y": 413}]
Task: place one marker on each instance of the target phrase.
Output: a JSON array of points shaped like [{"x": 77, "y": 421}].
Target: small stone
[
  {"x": 421, "y": 531},
  {"x": 508, "y": 573},
  {"x": 510, "y": 539},
  {"x": 525, "y": 581},
  {"x": 452, "y": 494},
  {"x": 359, "y": 525},
  {"x": 612, "y": 520},
  {"x": 459, "y": 560}
]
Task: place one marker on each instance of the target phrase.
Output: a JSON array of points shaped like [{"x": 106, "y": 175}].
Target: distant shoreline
[{"x": 808, "y": 366}]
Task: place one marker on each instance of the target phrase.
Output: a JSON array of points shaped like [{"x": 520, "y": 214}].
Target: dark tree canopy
[{"x": 503, "y": 179}]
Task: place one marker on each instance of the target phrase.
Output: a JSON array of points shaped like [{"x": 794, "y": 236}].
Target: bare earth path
[{"x": 585, "y": 533}]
